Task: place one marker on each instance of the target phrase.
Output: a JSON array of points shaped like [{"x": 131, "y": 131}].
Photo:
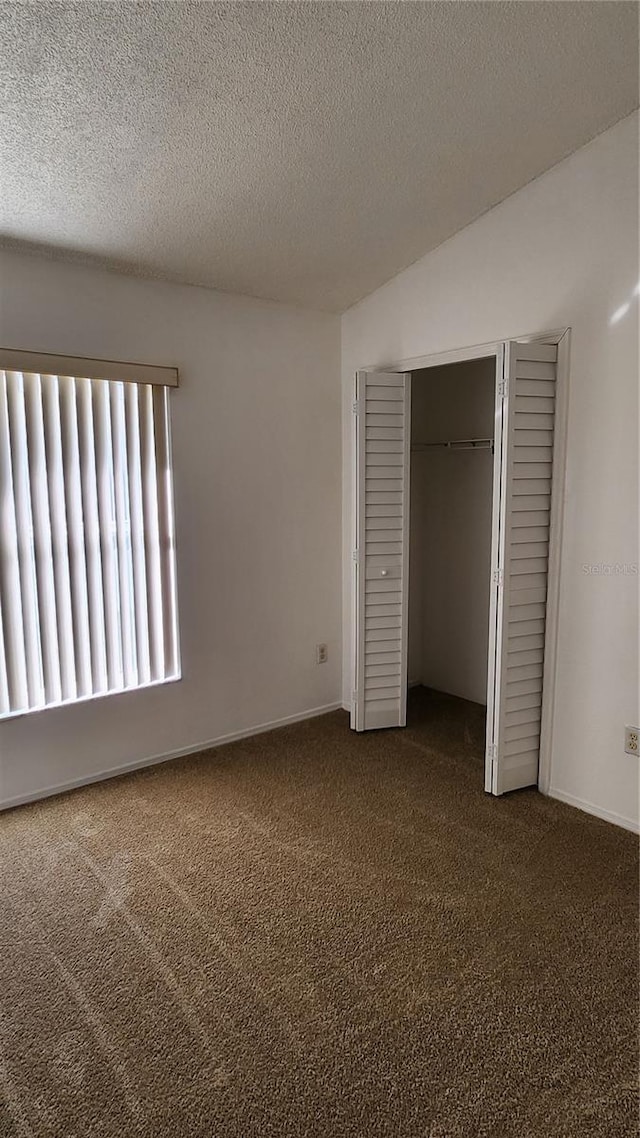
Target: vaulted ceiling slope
[{"x": 304, "y": 151}]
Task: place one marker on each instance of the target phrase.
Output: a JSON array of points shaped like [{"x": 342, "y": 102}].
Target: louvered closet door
[
  {"x": 525, "y": 408},
  {"x": 383, "y": 425}
]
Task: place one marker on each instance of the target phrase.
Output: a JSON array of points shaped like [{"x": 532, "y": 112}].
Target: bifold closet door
[
  {"x": 383, "y": 427},
  {"x": 525, "y": 409}
]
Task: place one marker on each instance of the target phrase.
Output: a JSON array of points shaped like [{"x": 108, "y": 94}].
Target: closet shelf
[{"x": 457, "y": 444}]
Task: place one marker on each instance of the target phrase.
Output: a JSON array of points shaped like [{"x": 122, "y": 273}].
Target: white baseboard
[
  {"x": 588, "y": 807},
  {"x": 152, "y": 760},
  {"x": 260, "y": 729}
]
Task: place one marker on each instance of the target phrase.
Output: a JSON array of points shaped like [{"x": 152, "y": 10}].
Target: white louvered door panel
[
  {"x": 522, "y": 504},
  {"x": 383, "y": 426}
]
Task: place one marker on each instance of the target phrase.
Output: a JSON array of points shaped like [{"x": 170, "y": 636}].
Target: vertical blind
[{"x": 87, "y": 543}]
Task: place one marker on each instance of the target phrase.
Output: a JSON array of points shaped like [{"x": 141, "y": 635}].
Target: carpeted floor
[{"x": 313, "y": 933}]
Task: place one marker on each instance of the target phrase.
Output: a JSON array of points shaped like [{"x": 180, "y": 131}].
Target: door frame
[{"x": 561, "y": 337}]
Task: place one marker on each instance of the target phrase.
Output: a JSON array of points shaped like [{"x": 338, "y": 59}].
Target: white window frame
[{"x": 88, "y": 593}]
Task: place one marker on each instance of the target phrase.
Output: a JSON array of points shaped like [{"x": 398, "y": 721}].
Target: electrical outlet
[
  {"x": 631, "y": 745},
  {"x": 322, "y": 653}
]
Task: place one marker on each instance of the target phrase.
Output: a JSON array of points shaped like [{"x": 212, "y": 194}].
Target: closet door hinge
[
  {"x": 356, "y": 407},
  {"x": 503, "y": 388},
  {"x": 492, "y": 752},
  {"x": 498, "y": 578},
  {"x": 356, "y": 556}
]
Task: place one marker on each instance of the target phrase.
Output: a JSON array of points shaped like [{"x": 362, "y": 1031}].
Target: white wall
[
  {"x": 451, "y": 498},
  {"x": 256, "y": 444},
  {"x": 562, "y": 251}
]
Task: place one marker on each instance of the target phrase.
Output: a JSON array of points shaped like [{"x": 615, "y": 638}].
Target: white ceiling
[{"x": 303, "y": 151}]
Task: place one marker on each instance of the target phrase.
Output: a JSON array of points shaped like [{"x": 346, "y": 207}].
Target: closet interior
[{"x": 451, "y": 483}]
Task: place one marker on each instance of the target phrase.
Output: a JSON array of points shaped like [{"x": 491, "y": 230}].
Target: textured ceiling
[{"x": 300, "y": 151}]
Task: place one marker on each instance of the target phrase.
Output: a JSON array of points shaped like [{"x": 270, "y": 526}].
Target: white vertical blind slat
[
  {"x": 132, "y": 395},
  {"x": 92, "y": 545},
  {"x": 5, "y": 696},
  {"x": 43, "y": 549},
  {"x": 123, "y": 535},
  {"x": 59, "y": 535},
  {"x": 10, "y": 592},
  {"x": 108, "y": 531},
  {"x": 152, "y": 534},
  {"x": 78, "y": 571},
  {"x": 24, "y": 528},
  {"x": 166, "y": 527}
]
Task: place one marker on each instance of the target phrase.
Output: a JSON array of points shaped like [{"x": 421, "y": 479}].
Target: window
[{"x": 87, "y": 547}]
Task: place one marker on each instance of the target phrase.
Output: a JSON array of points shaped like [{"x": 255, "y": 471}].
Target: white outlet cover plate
[{"x": 631, "y": 736}]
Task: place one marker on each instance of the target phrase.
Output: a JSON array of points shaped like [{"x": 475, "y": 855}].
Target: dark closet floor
[{"x": 456, "y": 727}]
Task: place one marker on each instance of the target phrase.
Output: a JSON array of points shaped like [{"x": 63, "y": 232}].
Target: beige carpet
[{"x": 314, "y": 933}]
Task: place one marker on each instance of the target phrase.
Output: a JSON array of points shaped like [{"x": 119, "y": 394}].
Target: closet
[
  {"x": 451, "y": 476},
  {"x": 453, "y": 500}
]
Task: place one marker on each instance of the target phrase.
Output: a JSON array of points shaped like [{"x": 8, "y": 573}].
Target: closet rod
[{"x": 457, "y": 444}]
